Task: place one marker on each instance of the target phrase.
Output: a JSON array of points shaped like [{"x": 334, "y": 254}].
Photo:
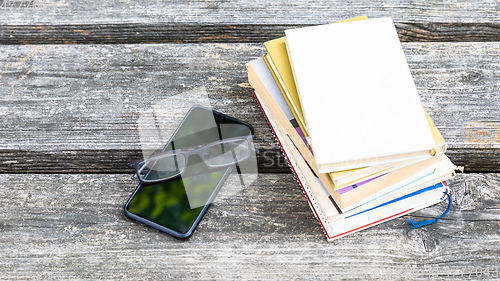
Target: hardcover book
[{"x": 357, "y": 94}]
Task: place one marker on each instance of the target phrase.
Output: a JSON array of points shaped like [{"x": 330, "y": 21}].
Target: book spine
[{"x": 298, "y": 178}]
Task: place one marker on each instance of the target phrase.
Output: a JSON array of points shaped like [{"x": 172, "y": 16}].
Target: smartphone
[{"x": 176, "y": 206}]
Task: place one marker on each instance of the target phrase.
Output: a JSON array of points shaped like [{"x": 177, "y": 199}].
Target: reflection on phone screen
[{"x": 167, "y": 203}]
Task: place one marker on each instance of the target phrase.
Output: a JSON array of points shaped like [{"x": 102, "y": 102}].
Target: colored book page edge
[
  {"x": 342, "y": 178},
  {"x": 383, "y": 201},
  {"x": 280, "y": 66},
  {"x": 310, "y": 196},
  {"x": 378, "y": 216},
  {"x": 407, "y": 183},
  {"x": 329, "y": 206},
  {"x": 339, "y": 166},
  {"x": 278, "y": 97},
  {"x": 293, "y": 106},
  {"x": 351, "y": 175},
  {"x": 392, "y": 168},
  {"x": 391, "y": 181},
  {"x": 359, "y": 184},
  {"x": 392, "y": 201},
  {"x": 257, "y": 82},
  {"x": 384, "y": 170},
  {"x": 256, "y": 78},
  {"x": 442, "y": 171}
]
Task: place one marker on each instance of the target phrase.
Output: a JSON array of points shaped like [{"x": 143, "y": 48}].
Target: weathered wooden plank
[
  {"x": 115, "y": 22},
  {"x": 241, "y": 12},
  {"x": 133, "y": 33},
  {"x": 72, "y": 227},
  {"x": 88, "y": 108}
]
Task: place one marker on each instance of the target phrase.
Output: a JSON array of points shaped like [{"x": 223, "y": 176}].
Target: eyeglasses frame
[{"x": 186, "y": 152}]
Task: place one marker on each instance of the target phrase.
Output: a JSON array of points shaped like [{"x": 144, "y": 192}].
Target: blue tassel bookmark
[{"x": 414, "y": 224}]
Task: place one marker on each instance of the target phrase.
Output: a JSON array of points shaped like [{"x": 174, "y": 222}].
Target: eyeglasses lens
[
  {"x": 163, "y": 168},
  {"x": 226, "y": 153}
]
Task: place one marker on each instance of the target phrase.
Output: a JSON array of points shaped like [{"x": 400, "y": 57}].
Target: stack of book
[{"x": 342, "y": 104}]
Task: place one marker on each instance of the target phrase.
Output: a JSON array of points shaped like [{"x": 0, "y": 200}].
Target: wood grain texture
[
  {"x": 133, "y": 33},
  {"x": 242, "y": 12},
  {"x": 118, "y": 22},
  {"x": 72, "y": 227},
  {"x": 93, "y": 108},
  {"x": 67, "y": 108}
]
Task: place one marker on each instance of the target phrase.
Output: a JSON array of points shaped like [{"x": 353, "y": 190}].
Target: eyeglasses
[{"x": 173, "y": 163}]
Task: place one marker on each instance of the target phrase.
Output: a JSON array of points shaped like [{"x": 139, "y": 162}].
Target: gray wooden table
[{"x": 77, "y": 78}]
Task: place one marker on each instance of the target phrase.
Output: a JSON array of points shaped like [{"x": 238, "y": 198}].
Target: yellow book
[{"x": 277, "y": 61}]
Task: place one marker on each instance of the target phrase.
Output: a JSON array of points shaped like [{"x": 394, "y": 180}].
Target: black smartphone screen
[
  {"x": 167, "y": 204},
  {"x": 176, "y": 206}
]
